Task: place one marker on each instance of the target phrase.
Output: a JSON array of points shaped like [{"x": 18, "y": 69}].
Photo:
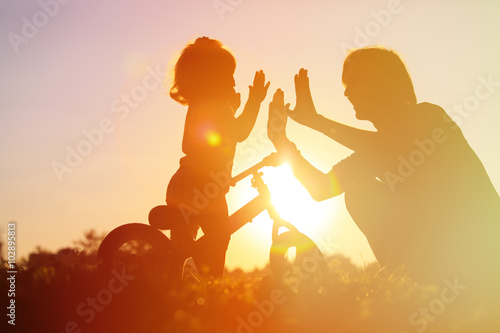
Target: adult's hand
[
  {"x": 304, "y": 112},
  {"x": 276, "y": 123}
]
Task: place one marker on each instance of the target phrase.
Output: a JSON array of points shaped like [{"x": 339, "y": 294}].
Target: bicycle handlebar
[{"x": 270, "y": 160}]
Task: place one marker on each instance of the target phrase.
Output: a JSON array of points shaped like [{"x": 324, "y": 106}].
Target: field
[{"x": 64, "y": 292}]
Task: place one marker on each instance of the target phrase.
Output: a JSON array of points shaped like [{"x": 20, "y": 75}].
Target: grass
[{"x": 64, "y": 292}]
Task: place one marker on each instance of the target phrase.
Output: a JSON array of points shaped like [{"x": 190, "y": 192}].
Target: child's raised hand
[
  {"x": 259, "y": 91},
  {"x": 235, "y": 101}
]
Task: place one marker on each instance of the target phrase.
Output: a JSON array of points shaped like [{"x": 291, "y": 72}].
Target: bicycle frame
[
  {"x": 252, "y": 208},
  {"x": 174, "y": 255},
  {"x": 261, "y": 202}
]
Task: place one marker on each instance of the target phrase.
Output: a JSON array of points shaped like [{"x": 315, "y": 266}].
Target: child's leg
[
  {"x": 180, "y": 194},
  {"x": 209, "y": 213},
  {"x": 210, "y": 253}
]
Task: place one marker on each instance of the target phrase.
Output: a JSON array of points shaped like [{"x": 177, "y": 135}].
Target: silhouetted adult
[{"x": 414, "y": 187}]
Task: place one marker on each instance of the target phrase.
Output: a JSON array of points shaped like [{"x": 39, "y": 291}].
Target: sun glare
[{"x": 294, "y": 203}]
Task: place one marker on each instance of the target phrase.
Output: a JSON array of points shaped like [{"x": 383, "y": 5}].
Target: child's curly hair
[{"x": 197, "y": 68}]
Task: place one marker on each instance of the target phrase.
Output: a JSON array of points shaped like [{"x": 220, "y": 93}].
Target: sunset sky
[{"x": 92, "y": 77}]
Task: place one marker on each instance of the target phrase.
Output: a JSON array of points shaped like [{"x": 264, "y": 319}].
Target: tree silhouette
[{"x": 90, "y": 241}]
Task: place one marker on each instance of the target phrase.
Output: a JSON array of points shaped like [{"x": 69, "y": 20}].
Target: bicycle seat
[{"x": 164, "y": 217}]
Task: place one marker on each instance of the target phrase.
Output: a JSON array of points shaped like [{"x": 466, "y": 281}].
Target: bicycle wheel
[
  {"x": 142, "y": 251},
  {"x": 304, "y": 272}
]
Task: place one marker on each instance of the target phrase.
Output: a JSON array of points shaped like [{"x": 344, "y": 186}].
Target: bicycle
[{"x": 164, "y": 261}]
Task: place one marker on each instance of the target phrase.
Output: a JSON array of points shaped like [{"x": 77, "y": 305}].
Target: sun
[
  {"x": 317, "y": 220},
  {"x": 294, "y": 203}
]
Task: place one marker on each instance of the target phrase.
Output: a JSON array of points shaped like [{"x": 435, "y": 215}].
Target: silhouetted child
[{"x": 204, "y": 82}]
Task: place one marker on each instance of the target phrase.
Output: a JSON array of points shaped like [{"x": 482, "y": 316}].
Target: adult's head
[
  {"x": 204, "y": 70},
  {"x": 377, "y": 83}
]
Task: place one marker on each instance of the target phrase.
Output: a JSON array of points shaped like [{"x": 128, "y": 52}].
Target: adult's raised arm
[
  {"x": 305, "y": 114},
  {"x": 320, "y": 186}
]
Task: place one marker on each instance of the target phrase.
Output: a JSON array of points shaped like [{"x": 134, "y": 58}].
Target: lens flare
[{"x": 213, "y": 138}]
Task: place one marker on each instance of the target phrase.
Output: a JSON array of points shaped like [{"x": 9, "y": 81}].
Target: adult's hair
[
  {"x": 384, "y": 67},
  {"x": 198, "y": 67}
]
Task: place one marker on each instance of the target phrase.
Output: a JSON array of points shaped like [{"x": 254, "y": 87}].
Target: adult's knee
[{"x": 367, "y": 202}]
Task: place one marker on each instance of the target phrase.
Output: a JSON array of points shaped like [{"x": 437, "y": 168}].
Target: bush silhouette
[{"x": 54, "y": 289}]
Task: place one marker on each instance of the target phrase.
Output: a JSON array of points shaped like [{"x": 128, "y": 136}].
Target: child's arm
[{"x": 246, "y": 120}]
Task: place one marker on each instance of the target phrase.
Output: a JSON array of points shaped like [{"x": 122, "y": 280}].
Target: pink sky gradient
[{"x": 71, "y": 74}]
